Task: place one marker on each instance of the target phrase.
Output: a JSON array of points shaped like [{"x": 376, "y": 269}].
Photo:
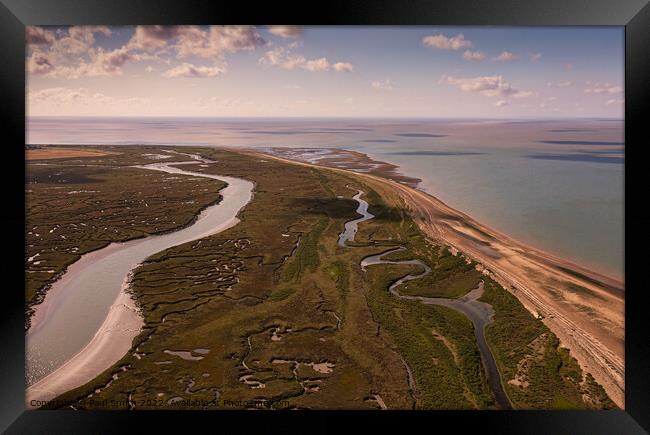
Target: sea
[{"x": 555, "y": 184}]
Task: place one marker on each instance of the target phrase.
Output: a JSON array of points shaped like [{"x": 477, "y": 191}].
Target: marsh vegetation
[{"x": 281, "y": 314}]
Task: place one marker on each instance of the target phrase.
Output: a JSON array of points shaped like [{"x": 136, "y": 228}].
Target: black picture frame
[{"x": 633, "y": 14}]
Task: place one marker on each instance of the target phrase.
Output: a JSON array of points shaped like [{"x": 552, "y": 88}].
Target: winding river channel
[
  {"x": 87, "y": 320},
  {"x": 479, "y": 313}
]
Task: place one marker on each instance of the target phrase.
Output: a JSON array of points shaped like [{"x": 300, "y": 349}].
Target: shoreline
[
  {"x": 589, "y": 324},
  {"x": 396, "y": 173}
]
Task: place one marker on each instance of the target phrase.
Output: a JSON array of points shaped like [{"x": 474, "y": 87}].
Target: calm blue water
[{"x": 555, "y": 184}]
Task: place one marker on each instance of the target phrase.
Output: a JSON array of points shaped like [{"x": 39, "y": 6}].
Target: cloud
[
  {"x": 71, "y": 53},
  {"x": 57, "y": 95},
  {"x": 534, "y": 57},
  {"x": 283, "y": 58},
  {"x": 102, "y": 63},
  {"x": 77, "y": 40},
  {"x": 39, "y": 64},
  {"x": 489, "y": 86},
  {"x": 190, "y": 70},
  {"x": 562, "y": 84},
  {"x": 151, "y": 38},
  {"x": 383, "y": 85},
  {"x": 613, "y": 102},
  {"x": 524, "y": 94},
  {"x": 473, "y": 55},
  {"x": 287, "y": 31},
  {"x": 501, "y": 103},
  {"x": 61, "y": 97},
  {"x": 187, "y": 41},
  {"x": 315, "y": 65},
  {"x": 505, "y": 56},
  {"x": 447, "y": 43},
  {"x": 35, "y": 35},
  {"x": 343, "y": 67},
  {"x": 603, "y": 88},
  {"x": 217, "y": 40}
]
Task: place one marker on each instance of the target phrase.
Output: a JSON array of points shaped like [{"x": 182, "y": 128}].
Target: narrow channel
[
  {"x": 479, "y": 313},
  {"x": 87, "y": 320}
]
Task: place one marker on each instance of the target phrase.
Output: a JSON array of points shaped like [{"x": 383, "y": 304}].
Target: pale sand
[
  {"x": 591, "y": 324},
  {"x": 111, "y": 342},
  {"x": 62, "y": 153}
]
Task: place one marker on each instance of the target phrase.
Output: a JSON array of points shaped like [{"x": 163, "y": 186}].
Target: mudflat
[{"x": 63, "y": 153}]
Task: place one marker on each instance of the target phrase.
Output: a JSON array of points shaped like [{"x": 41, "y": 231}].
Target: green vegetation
[
  {"x": 272, "y": 311},
  {"x": 451, "y": 277},
  {"x": 437, "y": 343},
  {"x": 537, "y": 372}
]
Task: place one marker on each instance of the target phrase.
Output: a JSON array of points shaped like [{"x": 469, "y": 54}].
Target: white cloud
[
  {"x": 613, "y": 102},
  {"x": 505, "y": 56},
  {"x": 283, "y": 58},
  {"x": 152, "y": 38},
  {"x": 149, "y": 69},
  {"x": 287, "y": 31},
  {"x": 501, "y": 103},
  {"x": 39, "y": 64},
  {"x": 216, "y": 41},
  {"x": 315, "y": 65},
  {"x": 447, "y": 43},
  {"x": 383, "y": 85},
  {"x": 71, "y": 53},
  {"x": 49, "y": 52},
  {"x": 524, "y": 94},
  {"x": 74, "y": 97},
  {"x": 561, "y": 84},
  {"x": 101, "y": 63},
  {"x": 35, "y": 35},
  {"x": 343, "y": 67},
  {"x": 473, "y": 55},
  {"x": 57, "y": 95},
  {"x": 190, "y": 70},
  {"x": 603, "y": 88},
  {"x": 489, "y": 86},
  {"x": 534, "y": 57}
]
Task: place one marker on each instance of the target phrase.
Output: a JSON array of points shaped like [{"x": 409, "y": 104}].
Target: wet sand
[{"x": 585, "y": 309}]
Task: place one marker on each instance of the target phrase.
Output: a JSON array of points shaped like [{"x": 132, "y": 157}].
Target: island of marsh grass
[
  {"x": 273, "y": 312},
  {"x": 77, "y": 205}
]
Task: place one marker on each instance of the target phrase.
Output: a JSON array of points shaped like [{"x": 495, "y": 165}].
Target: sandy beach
[{"x": 583, "y": 308}]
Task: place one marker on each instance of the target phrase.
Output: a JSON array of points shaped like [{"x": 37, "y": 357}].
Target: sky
[{"x": 296, "y": 71}]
